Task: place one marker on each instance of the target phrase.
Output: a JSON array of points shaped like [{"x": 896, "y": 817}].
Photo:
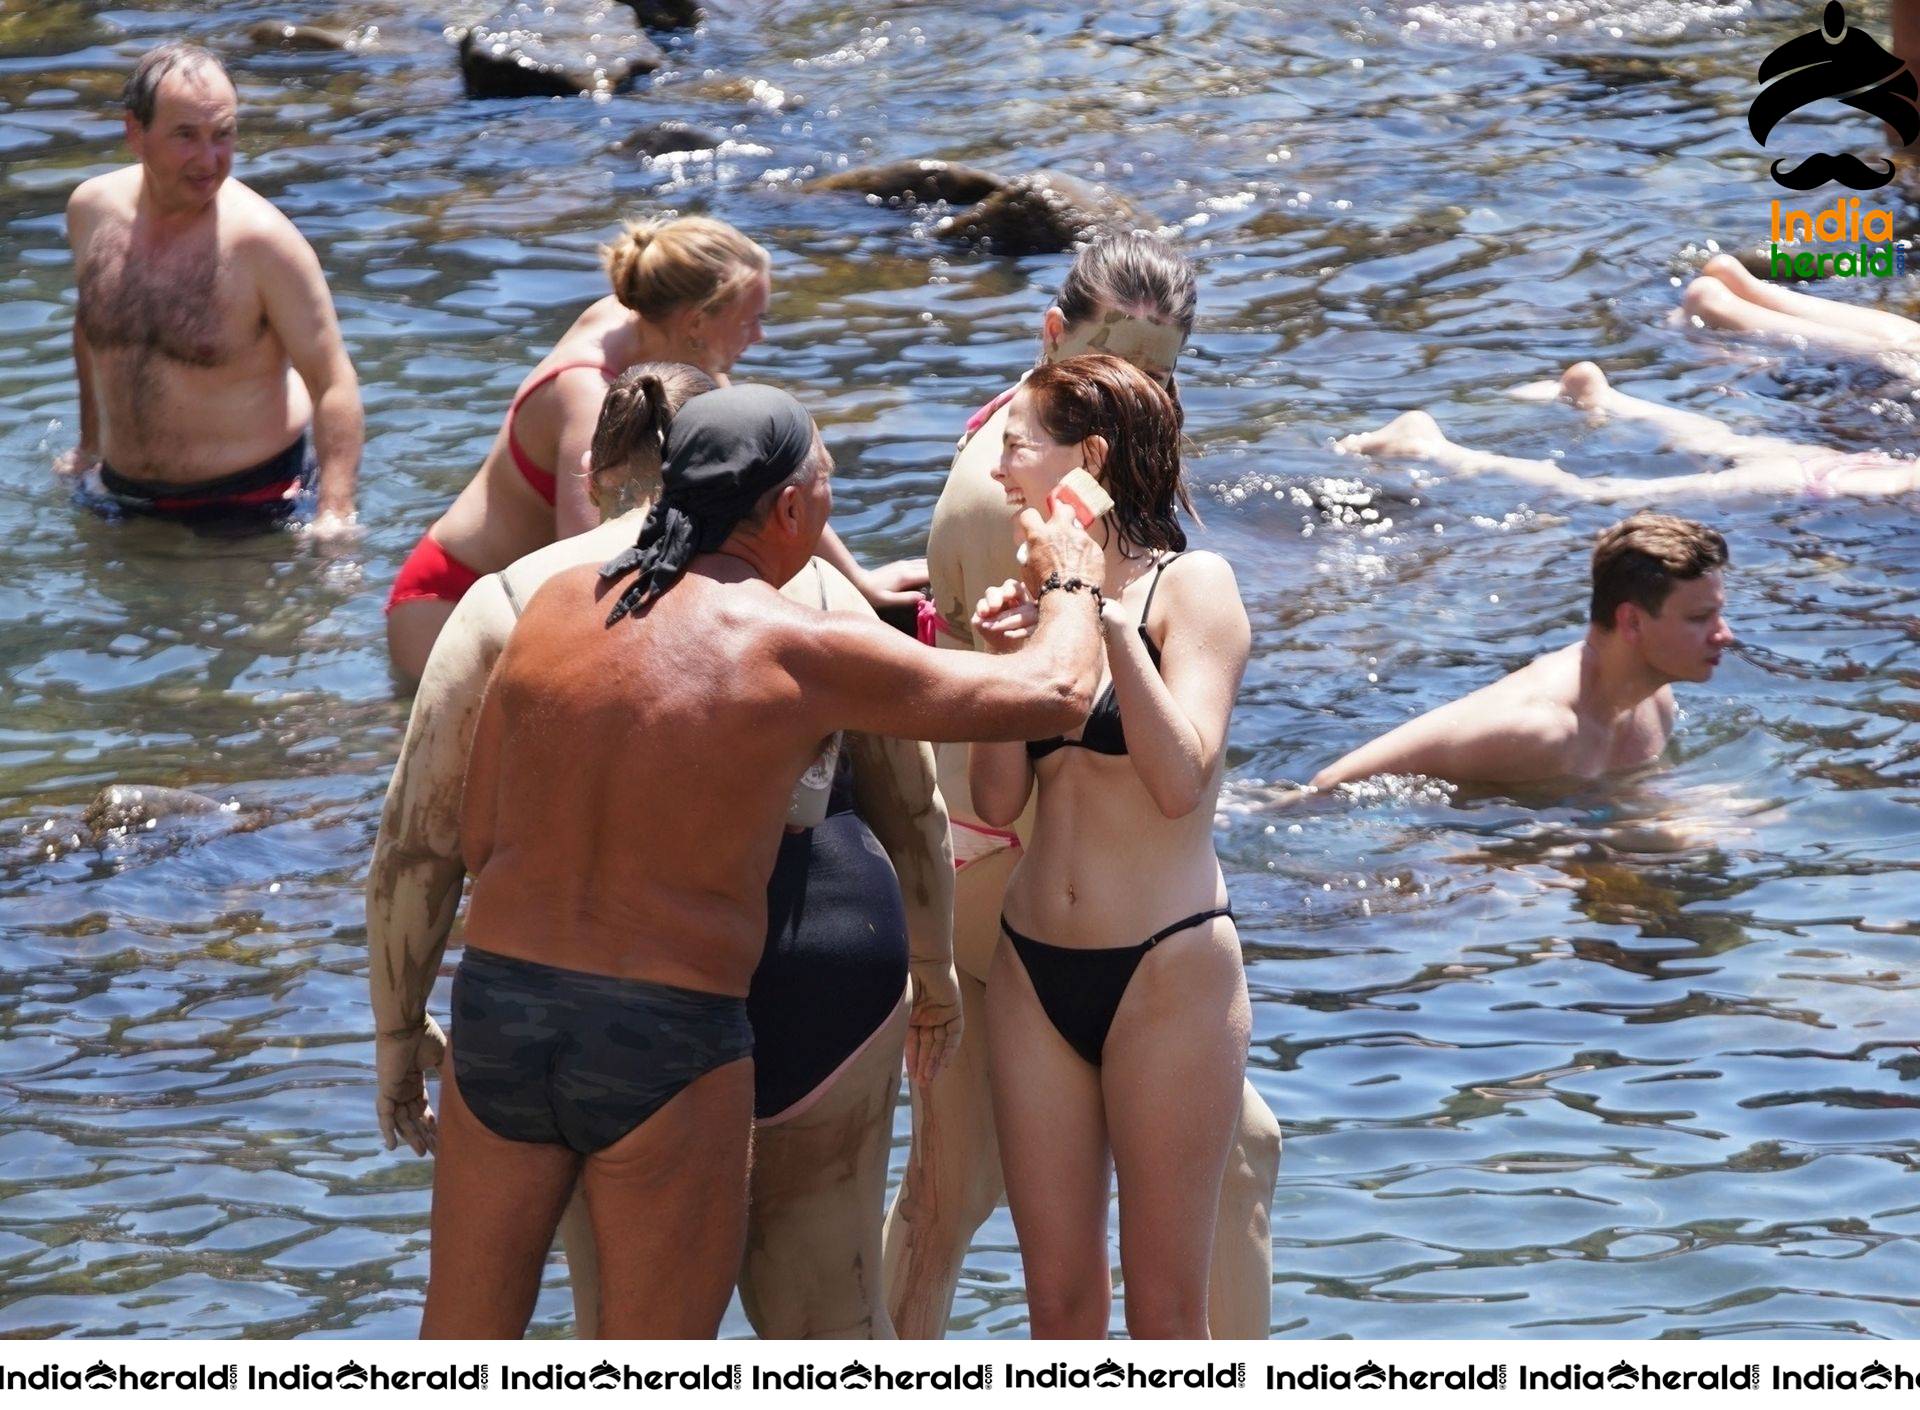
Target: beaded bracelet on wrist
[{"x": 1053, "y": 582}]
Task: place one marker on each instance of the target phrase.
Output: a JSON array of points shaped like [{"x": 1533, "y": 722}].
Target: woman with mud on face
[
  {"x": 842, "y": 945},
  {"x": 692, "y": 291},
  {"x": 1117, "y": 1014},
  {"x": 1133, "y": 296}
]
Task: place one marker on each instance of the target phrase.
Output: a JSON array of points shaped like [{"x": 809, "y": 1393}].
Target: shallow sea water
[{"x": 1638, "y": 1063}]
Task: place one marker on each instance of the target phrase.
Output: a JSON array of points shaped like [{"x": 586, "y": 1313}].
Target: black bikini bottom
[
  {"x": 567, "y": 1058},
  {"x": 1081, "y": 989}
]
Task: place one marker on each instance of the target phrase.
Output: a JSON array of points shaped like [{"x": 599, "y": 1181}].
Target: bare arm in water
[
  {"x": 86, "y": 454},
  {"x": 1537, "y": 724},
  {"x": 300, "y": 308},
  {"x": 1477, "y": 739}
]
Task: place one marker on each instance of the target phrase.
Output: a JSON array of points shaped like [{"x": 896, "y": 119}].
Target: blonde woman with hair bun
[{"x": 690, "y": 290}]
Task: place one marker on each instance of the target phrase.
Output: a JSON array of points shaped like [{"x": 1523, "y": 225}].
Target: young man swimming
[{"x": 1601, "y": 704}]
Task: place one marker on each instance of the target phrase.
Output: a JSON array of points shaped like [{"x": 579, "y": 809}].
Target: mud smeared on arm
[{"x": 413, "y": 885}]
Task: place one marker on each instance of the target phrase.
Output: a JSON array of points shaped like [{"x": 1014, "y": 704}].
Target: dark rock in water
[
  {"x": 656, "y": 139},
  {"x": 299, "y": 38},
  {"x": 1042, "y": 213},
  {"x": 538, "y": 50},
  {"x": 918, "y": 182},
  {"x": 135, "y": 804},
  {"x": 666, "y": 14}
]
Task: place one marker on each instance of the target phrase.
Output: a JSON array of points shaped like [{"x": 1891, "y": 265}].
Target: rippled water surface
[{"x": 1638, "y": 1063}]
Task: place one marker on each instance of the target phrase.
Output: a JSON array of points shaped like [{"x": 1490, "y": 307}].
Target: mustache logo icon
[
  {"x": 1845, "y": 63},
  {"x": 1822, "y": 167}
]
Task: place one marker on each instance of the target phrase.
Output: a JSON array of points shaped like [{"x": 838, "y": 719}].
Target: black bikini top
[{"x": 1104, "y": 733}]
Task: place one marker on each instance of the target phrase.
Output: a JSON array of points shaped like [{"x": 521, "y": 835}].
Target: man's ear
[
  {"x": 134, "y": 132},
  {"x": 1630, "y": 622},
  {"x": 789, "y": 509}
]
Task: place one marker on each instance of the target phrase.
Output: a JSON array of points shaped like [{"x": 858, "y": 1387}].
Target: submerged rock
[
  {"x": 1044, "y": 212},
  {"x": 135, "y": 804},
  {"x": 921, "y": 181},
  {"x": 657, "y": 139},
  {"x": 532, "y": 49},
  {"x": 299, "y": 38},
  {"x": 666, "y": 14}
]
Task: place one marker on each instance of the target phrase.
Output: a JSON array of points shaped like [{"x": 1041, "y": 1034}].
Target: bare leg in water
[
  {"x": 812, "y": 1266},
  {"x": 953, "y": 1177},
  {"x": 1727, "y": 295},
  {"x": 1758, "y": 465}
]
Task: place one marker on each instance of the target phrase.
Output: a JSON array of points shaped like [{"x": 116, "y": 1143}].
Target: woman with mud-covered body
[
  {"x": 1117, "y": 1011},
  {"x": 1132, "y": 296},
  {"x": 829, "y": 1036}
]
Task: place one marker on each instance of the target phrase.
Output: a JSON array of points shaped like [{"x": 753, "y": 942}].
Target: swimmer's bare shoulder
[
  {"x": 269, "y": 244},
  {"x": 1520, "y": 729},
  {"x": 970, "y": 544},
  {"x": 1667, "y": 711},
  {"x": 97, "y": 197}
]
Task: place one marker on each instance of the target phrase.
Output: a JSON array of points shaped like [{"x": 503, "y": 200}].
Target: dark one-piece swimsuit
[{"x": 1080, "y": 990}]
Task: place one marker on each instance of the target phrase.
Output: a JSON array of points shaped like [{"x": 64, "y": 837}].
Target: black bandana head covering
[{"x": 724, "y": 451}]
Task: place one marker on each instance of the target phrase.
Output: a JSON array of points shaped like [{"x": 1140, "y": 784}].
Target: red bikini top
[{"x": 544, "y": 482}]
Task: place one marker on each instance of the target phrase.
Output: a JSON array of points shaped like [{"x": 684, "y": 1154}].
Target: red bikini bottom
[{"x": 431, "y": 572}]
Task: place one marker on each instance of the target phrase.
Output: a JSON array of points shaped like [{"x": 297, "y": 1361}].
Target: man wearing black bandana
[{"x": 666, "y": 706}]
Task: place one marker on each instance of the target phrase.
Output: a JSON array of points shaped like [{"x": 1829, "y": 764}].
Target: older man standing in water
[{"x": 205, "y": 340}]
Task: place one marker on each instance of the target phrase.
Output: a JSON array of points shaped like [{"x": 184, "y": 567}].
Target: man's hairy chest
[{"x": 182, "y": 300}]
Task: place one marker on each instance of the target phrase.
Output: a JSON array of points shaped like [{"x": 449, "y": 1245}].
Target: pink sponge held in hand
[{"x": 1083, "y": 494}]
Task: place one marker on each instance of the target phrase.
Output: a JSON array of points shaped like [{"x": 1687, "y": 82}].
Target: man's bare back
[{"x": 693, "y": 699}]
